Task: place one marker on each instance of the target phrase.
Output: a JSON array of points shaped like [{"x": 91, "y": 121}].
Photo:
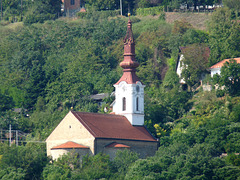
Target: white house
[
  {"x": 216, "y": 68},
  {"x": 180, "y": 68},
  {"x": 180, "y": 64}
]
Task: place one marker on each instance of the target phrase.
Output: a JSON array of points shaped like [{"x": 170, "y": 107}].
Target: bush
[
  {"x": 37, "y": 18},
  {"x": 150, "y": 11},
  {"x": 99, "y": 14}
]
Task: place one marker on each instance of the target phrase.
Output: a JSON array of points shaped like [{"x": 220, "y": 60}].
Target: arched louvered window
[
  {"x": 124, "y": 104},
  {"x": 137, "y": 104},
  {"x": 72, "y": 2}
]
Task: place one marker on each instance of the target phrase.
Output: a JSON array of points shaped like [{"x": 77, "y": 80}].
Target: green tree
[
  {"x": 104, "y": 4},
  {"x": 40, "y": 10},
  {"x": 94, "y": 167},
  {"x": 234, "y": 5},
  {"x": 229, "y": 77},
  {"x": 143, "y": 4},
  {"x": 123, "y": 161},
  {"x": 31, "y": 158},
  {"x": 12, "y": 173},
  {"x": 52, "y": 172},
  {"x": 194, "y": 63},
  {"x": 223, "y": 36},
  {"x": 6, "y": 102},
  {"x": 14, "y": 10}
]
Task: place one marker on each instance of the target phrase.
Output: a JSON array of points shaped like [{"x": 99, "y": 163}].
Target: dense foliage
[{"x": 45, "y": 69}]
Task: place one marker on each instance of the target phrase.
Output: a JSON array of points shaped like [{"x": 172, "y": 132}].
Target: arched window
[
  {"x": 137, "y": 104},
  {"x": 124, "y": 104},
  {"x": 72, "y": 2}
]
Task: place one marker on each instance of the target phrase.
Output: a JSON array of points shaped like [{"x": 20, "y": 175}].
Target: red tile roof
[
  {"x": 221, "y": 63},
  {"x": 117, "y": 145},
  {"x": 83, "y": 10},
  {"x": 69, "y": 145},
  {"x": 129, "y": 78},
  {"x": 112, "y": 127}
]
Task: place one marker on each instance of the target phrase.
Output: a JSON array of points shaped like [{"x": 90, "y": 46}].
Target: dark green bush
[
  {"x": 150, "y": 11},
  {"x": 99, "y": 14}
]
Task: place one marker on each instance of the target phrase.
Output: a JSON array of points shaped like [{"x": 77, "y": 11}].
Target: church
[{"x": 93, "y": 133}]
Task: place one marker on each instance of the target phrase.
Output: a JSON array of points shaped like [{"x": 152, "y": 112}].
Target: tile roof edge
[
  {"x": 59, "y": 146},
  {"x": 150, "y": 133},
  {"x": 101, "y": 114},
  {"x": 146, "y": 130},
  {"x": 155, "y": 140},
  {"x": 83, "y": 123},
  {"x": 122, "y": 145},
  {"x": 221, "y": 62}
]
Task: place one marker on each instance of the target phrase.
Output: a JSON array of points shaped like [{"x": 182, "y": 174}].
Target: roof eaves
[{"x": 144, "y": 140}]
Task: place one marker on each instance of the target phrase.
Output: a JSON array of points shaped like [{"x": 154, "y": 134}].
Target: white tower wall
[{"x": 134, "y": 110}]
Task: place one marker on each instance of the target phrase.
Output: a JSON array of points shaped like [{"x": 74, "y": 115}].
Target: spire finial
[
  {"x": 129, "y": 61},
  {"x": 129, "y": 64}
]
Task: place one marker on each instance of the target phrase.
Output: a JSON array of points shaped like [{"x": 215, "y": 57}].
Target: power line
[{"x": 25, "y": 141}]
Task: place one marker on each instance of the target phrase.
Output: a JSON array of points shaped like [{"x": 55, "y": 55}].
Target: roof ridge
[{"x": 96, "y": 113}]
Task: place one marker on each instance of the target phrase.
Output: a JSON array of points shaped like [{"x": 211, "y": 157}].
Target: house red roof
[
  {"x": 117, "y": 145},
  {"x": 83, "y": 10},
  {"x": 112, "y": 127},
  {"x": 221, "y": 63},
  {"x": 70, "y": 145}
]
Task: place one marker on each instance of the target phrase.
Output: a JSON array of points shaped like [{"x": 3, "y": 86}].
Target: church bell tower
[{"x": 129, "y": 90}]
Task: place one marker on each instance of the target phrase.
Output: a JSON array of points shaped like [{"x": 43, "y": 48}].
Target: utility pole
[
  {"x": 121, "y": 6},
  {"x": 1, "y": 11},
  {"x": 21, "y": 10},
  {"x": 16, "y": 137},
  {"x": 10, "y": 134}
]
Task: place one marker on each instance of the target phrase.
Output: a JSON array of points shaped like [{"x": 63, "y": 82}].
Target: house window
[
  {"x": 137, "y": 106},
  {"x": 72, "y": 2},
  {"x": 124, "y": 104}
]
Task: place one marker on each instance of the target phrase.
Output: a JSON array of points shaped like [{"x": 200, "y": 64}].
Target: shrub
[
  {"x": 150, "y": 11},
  {"x": 99, "y": 14}
]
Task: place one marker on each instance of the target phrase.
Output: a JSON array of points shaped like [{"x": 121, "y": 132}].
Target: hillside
[
  {"x": 197, "y": 20},
  {"x": 50, "y": 68}
]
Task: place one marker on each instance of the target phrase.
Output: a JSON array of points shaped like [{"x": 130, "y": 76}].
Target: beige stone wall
[
  {"x": 70, "y": 129},
  {"x": 56, "y": 153},
  {"x": 144, "y": 149}
]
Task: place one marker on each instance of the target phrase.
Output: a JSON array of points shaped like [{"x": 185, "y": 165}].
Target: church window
[
  {"x": 137, "y": 104},
  {"x": 137, "y": 88},
  {"x": 124, "y": 104},
  {"x": 72, "y": 2}
]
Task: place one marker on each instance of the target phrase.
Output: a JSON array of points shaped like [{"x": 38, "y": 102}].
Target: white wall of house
[
  {"x": 215, "y": 71},
  {"x": 180, "y": 68}
]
